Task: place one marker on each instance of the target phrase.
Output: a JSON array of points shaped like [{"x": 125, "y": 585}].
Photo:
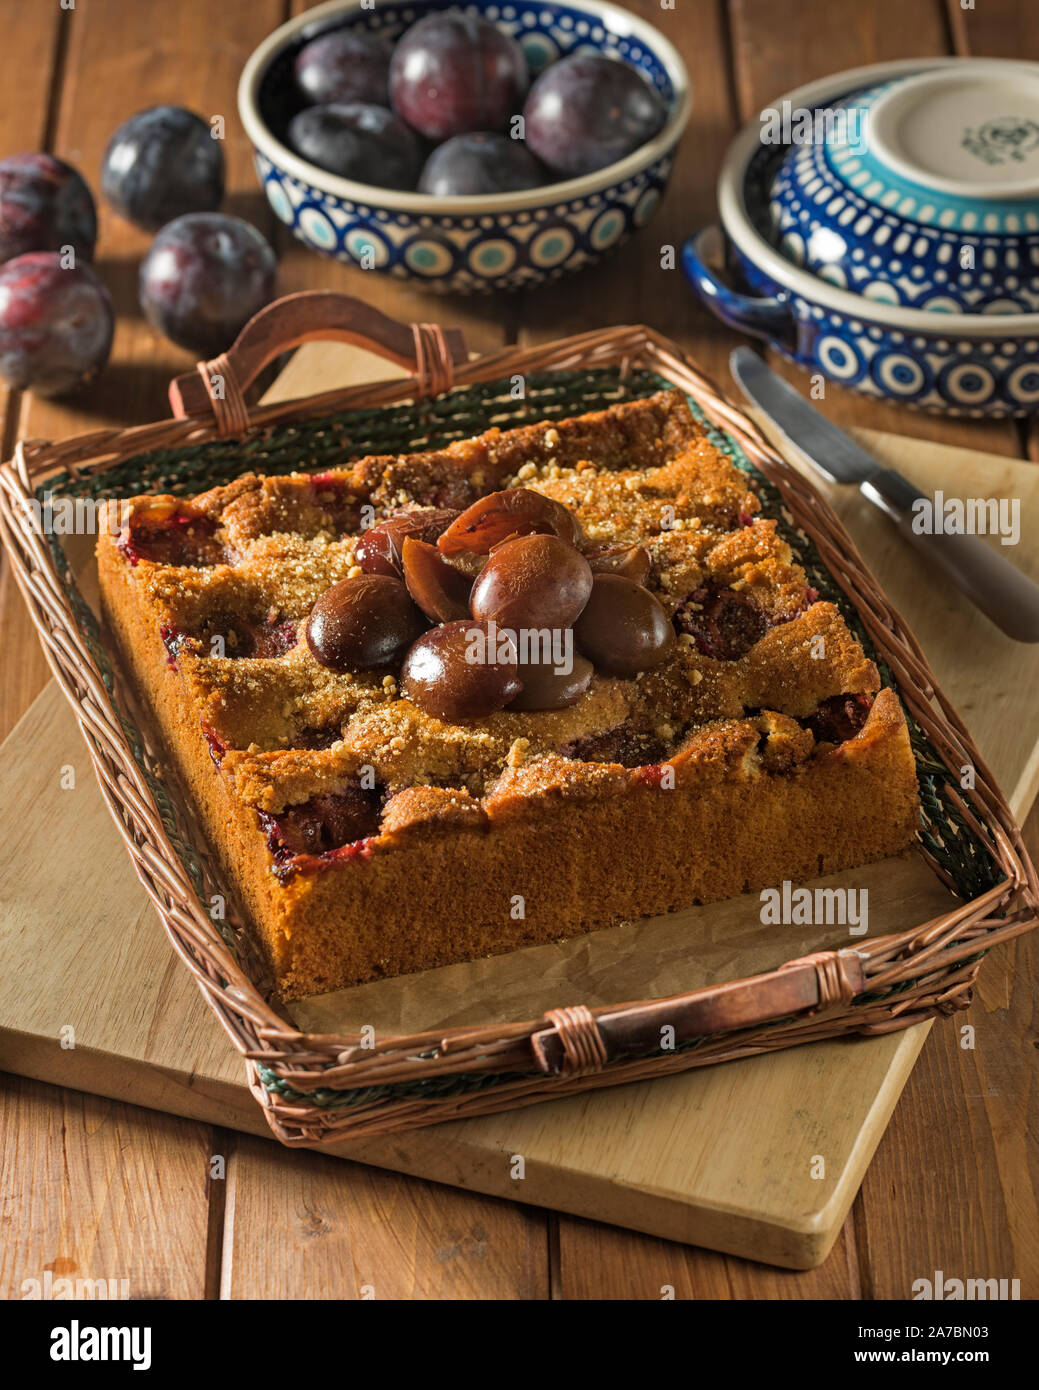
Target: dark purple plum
[
  {"x": 587, "y": 111},
  {"x": 347, "y": 65},
  {"x": 366, "y": 143},
  {"x": 161, "y": 164},
  {"x": 44, "y": 205},
  {"x": 204, "y": 278},
  {"x": 481, "y": 162},
  {"x": 56, "y": 323},
  {"x": 452, "y": 73}
]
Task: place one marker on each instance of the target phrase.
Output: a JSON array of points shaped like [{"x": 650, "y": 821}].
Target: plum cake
[{"x": 446, "y": 704}]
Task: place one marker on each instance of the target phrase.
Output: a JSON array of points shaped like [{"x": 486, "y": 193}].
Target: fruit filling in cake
[{"x": 568, "y": 666}]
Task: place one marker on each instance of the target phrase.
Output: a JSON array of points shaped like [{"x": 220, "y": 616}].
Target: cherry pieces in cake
[
  {"x": 460, "y": 671},
  {"x": 323, "y": 824},
  {"x": 452, "y": 73},
  {"x": 363, "y": 623},
  {"x": 168, "y": 536},
  {"x": 623, "y": 629},
  {"x": 839, "y": 718},
  {"x": 723, "y": 623}
]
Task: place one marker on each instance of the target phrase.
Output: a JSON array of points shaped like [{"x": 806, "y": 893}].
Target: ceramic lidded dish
[
  {"x": 971, "y": 364},
  {"x": 492, "y": 242},
  {"x": 923, "y": 191}
]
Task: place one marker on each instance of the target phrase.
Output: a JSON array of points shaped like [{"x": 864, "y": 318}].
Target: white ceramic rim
[
  {"x": 885, "y": 113},
  {"x": 618, "y": 21},
  {"x": 742, "y": 232}
]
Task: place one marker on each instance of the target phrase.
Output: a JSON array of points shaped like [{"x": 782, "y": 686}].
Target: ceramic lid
[
  {"x": 956, "y": 149},
  {"x": 971, "y": 131}
]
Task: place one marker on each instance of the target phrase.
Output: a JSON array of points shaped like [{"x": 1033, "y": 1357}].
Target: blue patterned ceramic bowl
[
  {"x": 922, "y": 191},
  {"x": 963, "y": 364},
  {"x": 467, "y": 244}
]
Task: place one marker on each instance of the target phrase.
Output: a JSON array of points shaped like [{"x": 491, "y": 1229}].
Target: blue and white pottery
[
  {"x": 476, "y": 244},
  {"x": 922, "y": 191},
  {"x": 964, "y": 364}
]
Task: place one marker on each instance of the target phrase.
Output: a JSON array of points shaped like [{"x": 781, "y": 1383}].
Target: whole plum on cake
[{"x": 570, "y": 660}]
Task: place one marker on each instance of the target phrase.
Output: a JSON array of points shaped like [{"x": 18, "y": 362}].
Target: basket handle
[
  {"x": 217, "y": 388},
  {"x": 578, "y": 1041}
]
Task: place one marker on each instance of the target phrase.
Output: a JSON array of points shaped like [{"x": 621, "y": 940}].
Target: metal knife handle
[{"x": 1006, "y": 596}]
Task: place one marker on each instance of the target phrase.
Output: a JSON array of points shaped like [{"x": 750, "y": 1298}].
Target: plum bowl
[{"x": 471, "y": 244}]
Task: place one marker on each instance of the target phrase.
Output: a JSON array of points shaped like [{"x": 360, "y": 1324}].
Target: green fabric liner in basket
[{"x": 336, "y": 439}]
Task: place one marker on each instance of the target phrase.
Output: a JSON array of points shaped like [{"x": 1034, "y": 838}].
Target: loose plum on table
[
  {"x": 161, "y": 164},
  {"x": 56, "y": 323},
  {"x": 203, "y": 279},
  {"x": 44, "y": 206}
]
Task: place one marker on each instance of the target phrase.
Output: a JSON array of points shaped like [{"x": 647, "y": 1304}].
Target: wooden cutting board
[{"x": 92, "y": 996}]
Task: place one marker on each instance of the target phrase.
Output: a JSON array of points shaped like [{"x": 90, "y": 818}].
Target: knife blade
[{"x": 1008, "y": 598}]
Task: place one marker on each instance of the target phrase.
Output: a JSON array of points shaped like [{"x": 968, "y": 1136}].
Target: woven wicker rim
[{"x": 306, "y": 1082}]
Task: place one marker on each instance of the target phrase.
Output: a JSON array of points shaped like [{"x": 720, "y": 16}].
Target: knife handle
[{"x": 1006, "y": 596}]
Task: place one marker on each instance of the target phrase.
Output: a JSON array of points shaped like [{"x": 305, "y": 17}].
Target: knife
[{"x": 1006, "y": 596}]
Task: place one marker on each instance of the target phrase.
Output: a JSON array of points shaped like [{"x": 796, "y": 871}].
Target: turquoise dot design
[
  {"x": 428, "y": 258},
  {"x": 366, "y": 247},
  {"x": 495, "y": 257},
  {"x": 551, "y": 247},
  {"x": 317, "y": 229},
  {"x": 279, "y": 201},
  {"x": 607, "y": 230}
]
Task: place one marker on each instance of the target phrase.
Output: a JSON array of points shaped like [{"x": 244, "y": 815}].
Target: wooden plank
[
  {"x": 983, "y": 1094},
  {"x": 600, "y": 1262},
  {"x": 121, "y": 57},
  {"x": 935, "y": 1228},
  {"x": 34, "y": 41},
  {"x": 302, "y": 1226},
  {"x": 994, "y": 29},
  {"x": 93, "y": 1189},
  {"x": 117, "y": 57},
  {"x": 33, "y": 47},
  {"x": 973, "y": 1213}
]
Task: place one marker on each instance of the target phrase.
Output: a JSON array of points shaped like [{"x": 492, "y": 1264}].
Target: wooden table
[{"x": 91, "y": 1185}]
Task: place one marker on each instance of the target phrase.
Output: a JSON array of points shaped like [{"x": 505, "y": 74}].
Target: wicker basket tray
[{"x": 320, "y": 1088}]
